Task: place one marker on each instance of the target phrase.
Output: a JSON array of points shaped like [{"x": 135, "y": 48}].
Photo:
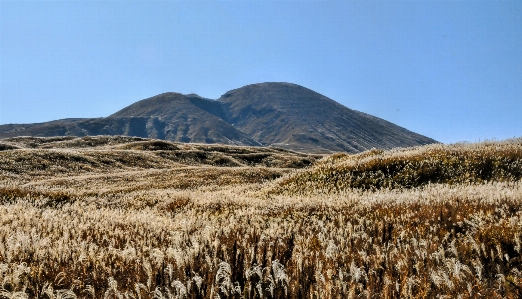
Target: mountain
[
  {"x": 271, "y": 114},
  {"x": 183, "y": 118},
  {"x": 290, "y": 116}
]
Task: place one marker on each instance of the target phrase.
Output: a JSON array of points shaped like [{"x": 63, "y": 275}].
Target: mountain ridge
[{"x": 277, "y": 114}]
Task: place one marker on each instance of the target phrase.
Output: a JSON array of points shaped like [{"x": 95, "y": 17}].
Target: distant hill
[{"x": 268, "y": 114}]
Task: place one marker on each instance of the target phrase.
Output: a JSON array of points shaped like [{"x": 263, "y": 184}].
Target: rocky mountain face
[{"x": 270, "y": 114}]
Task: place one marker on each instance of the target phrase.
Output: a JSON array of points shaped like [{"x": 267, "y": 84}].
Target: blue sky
[{"x": 450, "y": 70}]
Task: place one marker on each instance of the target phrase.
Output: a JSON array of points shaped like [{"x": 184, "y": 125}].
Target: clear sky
[{"x": 450, "y": 70}]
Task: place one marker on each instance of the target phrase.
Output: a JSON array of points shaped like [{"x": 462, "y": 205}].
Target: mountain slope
[
  {"x": 184, "y": 118},
  {"x": 291, "y": 116},
  {"x": 170, "y": 116},
  {"x": 270, "y": 114}
]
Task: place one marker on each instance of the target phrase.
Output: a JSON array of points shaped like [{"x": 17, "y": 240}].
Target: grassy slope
[
  {"x": 125, "y": 219},
  {"x": 411, "y": 167}
]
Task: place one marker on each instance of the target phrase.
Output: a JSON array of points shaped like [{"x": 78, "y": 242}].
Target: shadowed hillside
[{"x": 184, "y": 118}]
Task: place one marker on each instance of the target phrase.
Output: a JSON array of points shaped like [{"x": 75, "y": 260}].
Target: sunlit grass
[
  {"x": 411, "y": 167},
  {"x": 200, "y": 231}
]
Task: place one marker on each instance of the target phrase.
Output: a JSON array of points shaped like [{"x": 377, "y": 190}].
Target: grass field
[{"x": 121, "y": 217}]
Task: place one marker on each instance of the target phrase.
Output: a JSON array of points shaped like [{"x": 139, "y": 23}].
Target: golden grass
[
  {"x": 144, "y": 226},
  {"x": 411, "y": 167}
]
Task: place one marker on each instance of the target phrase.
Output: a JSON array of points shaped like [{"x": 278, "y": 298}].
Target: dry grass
[
  {"x": 411, "y": 167},
  {"x": 145, "y": 226}
]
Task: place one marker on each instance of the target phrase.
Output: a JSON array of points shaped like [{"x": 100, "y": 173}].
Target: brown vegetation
[
  {"x": 411, "y": 167},
  {"x": 110, "y": 222}
]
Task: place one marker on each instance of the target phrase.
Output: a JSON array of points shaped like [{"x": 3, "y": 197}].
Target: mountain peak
[
  {"x": 271, "y": 113},
  {"x": 195, "y": 95}
]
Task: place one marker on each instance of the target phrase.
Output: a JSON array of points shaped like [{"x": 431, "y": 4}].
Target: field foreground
[{"x": 106, "y": 217}]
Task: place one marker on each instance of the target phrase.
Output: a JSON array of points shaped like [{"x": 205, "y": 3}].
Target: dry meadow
[{"x": 122, "y": 217}]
